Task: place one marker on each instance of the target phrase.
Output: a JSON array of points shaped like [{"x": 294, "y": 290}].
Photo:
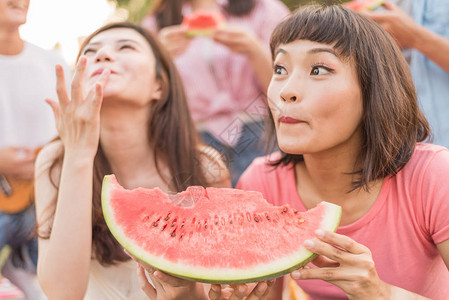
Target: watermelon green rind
[
  {"x": 199, "y": 32},
  {"x": 270, "y": 270}
]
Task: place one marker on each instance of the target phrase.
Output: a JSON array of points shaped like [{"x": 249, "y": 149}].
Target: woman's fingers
[
  {"x": 322, "y": 261},
  {"x": 55, "y": 107},
  {"x": 326, "y": 274},
  {"x": 341, "y": 241},
  {"x": 259, "y": 291},
  {"x": 102, "y": 80},
  {"x": 145, "y": 285},
  {"x": 77, "y": 81},
  {"x": 61, "y": 89},
  {"x": 215, "y": 292},
  {"x": 171, "y": 280}
]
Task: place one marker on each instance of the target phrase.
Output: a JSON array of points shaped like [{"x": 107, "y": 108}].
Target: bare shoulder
[
  {"x": 47, "y": 175},
  {"x": 215, "y": 170}
]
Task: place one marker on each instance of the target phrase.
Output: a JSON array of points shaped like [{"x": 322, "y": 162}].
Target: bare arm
[
  {"x": 434, "y": 47},
  {"x": 64, "y": 259}
]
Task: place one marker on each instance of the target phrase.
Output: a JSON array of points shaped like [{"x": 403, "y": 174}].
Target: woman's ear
[{"x": 157, "y": 93}]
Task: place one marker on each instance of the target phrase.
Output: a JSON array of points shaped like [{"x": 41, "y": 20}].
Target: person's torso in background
[{"x": 26, "y": 80}]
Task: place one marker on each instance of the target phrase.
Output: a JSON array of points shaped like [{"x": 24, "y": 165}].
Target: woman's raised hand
[
  {"x": 346, "y": 264},
  {"x": 78, "y": 116}
]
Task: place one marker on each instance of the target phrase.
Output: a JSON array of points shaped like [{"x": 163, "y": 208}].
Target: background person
[
  {"x": 225, "y": 76},
  {"x": 421, "y": 28},
  {"x": 26, "y": 124}
]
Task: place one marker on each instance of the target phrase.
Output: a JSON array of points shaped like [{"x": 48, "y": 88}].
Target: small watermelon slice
[
  {"x": 213, "y": 235},
  {"x": 202, "y": 23},
  {"x": 360, "y": 5}
]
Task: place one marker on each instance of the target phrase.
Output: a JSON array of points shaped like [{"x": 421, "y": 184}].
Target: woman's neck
[
  {"x": 321, "y": 178},
  {"x": 124, "y": 140}
]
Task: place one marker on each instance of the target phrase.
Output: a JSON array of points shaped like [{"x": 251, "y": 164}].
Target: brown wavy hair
[
  {"x": 169, "y": 12},
  {"x": 392, "y": 121},
  {"x": 171, "y": 133}
]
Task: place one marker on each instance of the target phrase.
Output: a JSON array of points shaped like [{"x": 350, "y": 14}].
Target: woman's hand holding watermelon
[
  {"x": 174, "y": 39},
  {"x": 346, "y": 264},
  {"x": 242, "y": 41},
  {"x": 259, "y": 291},
  {"x": 78, "y": 119},
  {"x": 167, "y": 287},
  {"x": 237, "y": 39}
]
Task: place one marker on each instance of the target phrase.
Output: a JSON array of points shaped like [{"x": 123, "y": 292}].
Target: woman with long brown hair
[
  {"x": 126, "y": 114},
  {"x": 347, "y": 121},
  {"x": 225, "y": 75}
]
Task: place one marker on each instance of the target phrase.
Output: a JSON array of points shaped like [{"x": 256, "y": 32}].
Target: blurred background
[{"x": 62, "y": 24}]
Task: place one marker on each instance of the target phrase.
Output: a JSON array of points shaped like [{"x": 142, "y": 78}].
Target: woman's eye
[
  {"x": 279, "y": 70},
  {"x": 123, "y": 47},
  {"x": 320, "y": 70},
  {"x": 89, "y": 50}
]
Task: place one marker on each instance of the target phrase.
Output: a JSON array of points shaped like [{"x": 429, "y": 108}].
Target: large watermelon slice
[
  {"x": 202, "y": 23},
  {"x": 213, "y": 235}
]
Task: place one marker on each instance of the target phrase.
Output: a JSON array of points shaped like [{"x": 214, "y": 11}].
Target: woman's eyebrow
[
  {"x": 127, "y": 41},
  {"x": 319, "y": 50}
]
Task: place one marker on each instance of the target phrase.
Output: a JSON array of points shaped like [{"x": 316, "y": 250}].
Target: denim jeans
[
  {"x": 17, "y": 231},
  {"x": 249, "y": 146}
]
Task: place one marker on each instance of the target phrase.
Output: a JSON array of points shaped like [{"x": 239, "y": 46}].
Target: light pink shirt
[
  {"x": 402, "y": 228},
  {"x": 221, "y": 87}
]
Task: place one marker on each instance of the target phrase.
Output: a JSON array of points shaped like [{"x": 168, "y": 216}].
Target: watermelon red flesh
[
  {"x": 364, "y": 4},
  {"x": 202, "y": 22},
  {"x": 217, "y": 235}
]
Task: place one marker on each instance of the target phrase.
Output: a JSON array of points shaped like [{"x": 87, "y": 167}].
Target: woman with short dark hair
[{"x": 344, "y": 110}]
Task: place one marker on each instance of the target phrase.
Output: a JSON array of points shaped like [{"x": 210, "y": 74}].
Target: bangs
[{"x": 330, "y": 25}]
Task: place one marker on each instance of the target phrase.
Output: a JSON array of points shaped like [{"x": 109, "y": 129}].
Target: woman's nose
[
  {"x": 290, "y": 92},
  {"x": 103, "y": 54}
]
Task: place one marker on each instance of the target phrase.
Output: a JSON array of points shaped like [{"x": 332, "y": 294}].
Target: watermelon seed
[
  {"x": 256, "y": 219},
  {"x": 167, "y": 217},
  {"x": 173, "y": 224},
  {"x": 173, "y": 234},
  {"x": 205, "y": 226},
  {"x": 268, "y": 217},
  {"x": 230, "y": 222},
  {"x": 180, "y": 237},
  {"x": 155, "y": 224},
  {"x": 182, "y": 225},
  {"x": 285, "y": 209}
]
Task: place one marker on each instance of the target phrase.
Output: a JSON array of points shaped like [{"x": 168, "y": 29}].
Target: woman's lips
[
  {"x": 98, "y": 72},
  {"x": 284, "y": 119}
]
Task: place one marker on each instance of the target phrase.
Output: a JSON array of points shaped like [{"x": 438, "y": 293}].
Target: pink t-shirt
[
  {"x": 401, "y": 229},
  {"x": 221, "y": 86}
]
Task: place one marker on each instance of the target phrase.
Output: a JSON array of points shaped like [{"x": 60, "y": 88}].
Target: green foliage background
[{"x": 138, "y": 8}]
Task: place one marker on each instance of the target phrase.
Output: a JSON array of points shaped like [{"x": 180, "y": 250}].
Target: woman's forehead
[{"x": 118, "y": 34}]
